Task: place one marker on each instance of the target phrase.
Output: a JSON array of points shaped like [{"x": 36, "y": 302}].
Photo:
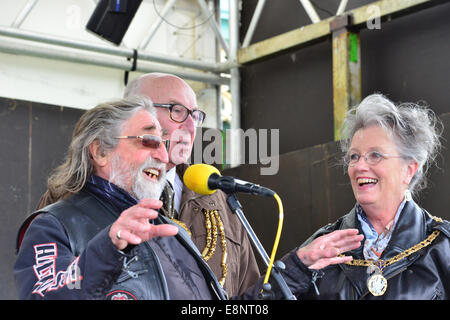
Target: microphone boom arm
[{"x": 236, "y": 208}]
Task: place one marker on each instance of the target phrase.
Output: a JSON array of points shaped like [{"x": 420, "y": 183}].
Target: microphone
[{"x": 205, "y": 179}]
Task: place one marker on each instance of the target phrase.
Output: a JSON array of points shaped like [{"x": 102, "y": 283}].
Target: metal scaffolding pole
[
  {"x": 213, "y": 24},
  {"x": 103, "y": 60},
  {"x": 235, "y": 86},
  {"x": 341, "y": 7},
  {"x": 156, "y": 24},
  {"x": 253, "y": 23},
  {"x": 23, "y": 14},
  {"x": 310, "y": 11},
  {"x": 116, "y": 51}
]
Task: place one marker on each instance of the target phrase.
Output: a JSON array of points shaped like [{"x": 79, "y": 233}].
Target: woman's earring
[{"x": 408, "y": 196}]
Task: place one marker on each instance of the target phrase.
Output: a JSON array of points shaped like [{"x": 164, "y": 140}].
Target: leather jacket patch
[{"x": 120, "y": 295}]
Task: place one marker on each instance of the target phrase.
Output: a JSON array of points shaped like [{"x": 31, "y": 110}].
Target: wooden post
[{"x": 346, "y": 70}]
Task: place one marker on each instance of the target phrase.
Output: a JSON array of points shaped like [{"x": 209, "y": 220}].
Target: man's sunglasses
[
  {"x": 179, "y": 113},
  {"x": 149, "y": 140}
]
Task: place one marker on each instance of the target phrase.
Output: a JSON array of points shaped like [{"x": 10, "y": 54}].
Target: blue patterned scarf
[
  {"x": 116, "y": 196},
  {"x": 374, "y": 243}
]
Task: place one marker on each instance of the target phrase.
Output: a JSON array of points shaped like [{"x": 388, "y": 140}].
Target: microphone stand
[{"x": 267, "y": 292}]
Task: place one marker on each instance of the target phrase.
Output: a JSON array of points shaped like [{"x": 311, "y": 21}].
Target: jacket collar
[{"x": 410, "y": 229}]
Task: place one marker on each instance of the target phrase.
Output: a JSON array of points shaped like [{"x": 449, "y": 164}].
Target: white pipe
[
  {"x": 20, "y": 48},
  {"x": 52, "y": 52},
  {"x": 188, "y": 63},
  {"x": 116, "y": 51},
  {"x": 213, "y": 24},
  {"x": 50, "y": 39},
  {"x": 23, "y": 14},
  {"x": 312, "y": 14},
  {"x": 253, "y": 23},
  {"x": 341, "y": 7},
  {"x": 157, "y": 23},
  {"x": 235, "y": 82}
]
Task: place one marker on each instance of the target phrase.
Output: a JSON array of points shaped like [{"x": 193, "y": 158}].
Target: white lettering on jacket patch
[{"x": 45, "y": 271}]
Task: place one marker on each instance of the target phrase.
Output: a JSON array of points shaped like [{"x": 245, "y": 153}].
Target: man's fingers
[
  {"x": 138, "y": 212},
  {"x": 163, "y": 230},
  {"x": 122, "y": 238},
  {"x": 150, "y": 203},
  {"x": 137, "y": 226},
  {"x": 130, "y": 237}
]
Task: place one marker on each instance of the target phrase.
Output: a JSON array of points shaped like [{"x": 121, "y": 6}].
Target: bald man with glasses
[{"x": 214, "y": 229}]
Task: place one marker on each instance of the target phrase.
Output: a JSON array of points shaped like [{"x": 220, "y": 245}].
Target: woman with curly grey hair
[{"x": 405, "y": 253}]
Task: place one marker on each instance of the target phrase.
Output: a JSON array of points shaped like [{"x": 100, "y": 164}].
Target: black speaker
[{"x": 111, "y": 18}]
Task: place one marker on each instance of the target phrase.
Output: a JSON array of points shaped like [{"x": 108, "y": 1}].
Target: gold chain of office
[{"x": 381, "y": 263}]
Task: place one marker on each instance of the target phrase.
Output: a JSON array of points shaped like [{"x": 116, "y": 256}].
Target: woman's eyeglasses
[
  {"x": 179, "y": 113},
  {"x": 372, "y": 158},
  {"x": 149, "y": 140}
]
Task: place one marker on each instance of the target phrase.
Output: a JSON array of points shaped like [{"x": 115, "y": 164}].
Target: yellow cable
[{"x": 277, "y": 237}]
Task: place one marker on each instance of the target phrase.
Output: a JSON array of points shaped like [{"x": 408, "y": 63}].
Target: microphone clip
[
  {"x": 230, "y": 185},
  {"x": 224, "y": 183}
]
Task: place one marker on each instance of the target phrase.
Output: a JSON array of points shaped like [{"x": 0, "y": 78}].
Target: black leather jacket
[
  {"x": 84, "y": 247},
  {"x": 421, "y": 276}
]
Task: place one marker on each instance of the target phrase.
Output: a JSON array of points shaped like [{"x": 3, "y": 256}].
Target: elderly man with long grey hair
[{"x": 91, "y": 242}]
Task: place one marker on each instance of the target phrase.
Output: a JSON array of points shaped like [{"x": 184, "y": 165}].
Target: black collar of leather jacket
[{"x": 83, "y": 215}]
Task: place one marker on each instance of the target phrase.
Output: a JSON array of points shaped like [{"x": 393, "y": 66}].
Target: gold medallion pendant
[{"x": 377, "y": 284}]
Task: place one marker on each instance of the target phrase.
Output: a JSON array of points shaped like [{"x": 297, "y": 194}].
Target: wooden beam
[
  {"x": 304, "y": 36},
  {"x": 284, "y": 42}
]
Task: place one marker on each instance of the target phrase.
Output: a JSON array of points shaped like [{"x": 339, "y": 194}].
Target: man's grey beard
[{"x": 140, "y": 187}]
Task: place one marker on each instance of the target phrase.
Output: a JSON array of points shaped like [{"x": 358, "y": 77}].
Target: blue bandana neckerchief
[
  {"x": 116, "y": 196},
  {"x": 374, "y": 241}
]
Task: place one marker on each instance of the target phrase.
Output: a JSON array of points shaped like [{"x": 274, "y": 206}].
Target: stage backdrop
[{"x": 33, "y": 140}]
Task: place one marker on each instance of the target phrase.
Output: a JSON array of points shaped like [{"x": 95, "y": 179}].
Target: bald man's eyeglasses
[
  {"x": 179, "y": 113},
  {"x": 149, "y": 140}
]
